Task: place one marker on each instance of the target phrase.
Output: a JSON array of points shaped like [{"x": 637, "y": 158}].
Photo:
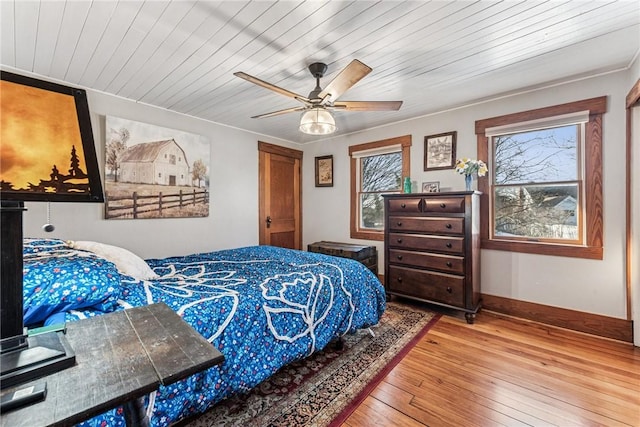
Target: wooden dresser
[{"x": 432, "y": 248}]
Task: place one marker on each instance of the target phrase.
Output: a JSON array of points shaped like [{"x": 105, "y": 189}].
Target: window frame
[
  {"x": 592, "y": 247},
  {"x": 404, "y": 142}
]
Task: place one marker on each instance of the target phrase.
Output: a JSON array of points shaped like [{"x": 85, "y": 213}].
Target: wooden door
[{"x": 280, "y": 193}]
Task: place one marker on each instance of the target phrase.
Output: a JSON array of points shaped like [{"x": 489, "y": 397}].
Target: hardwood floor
[{"x": 507, "y": 371}]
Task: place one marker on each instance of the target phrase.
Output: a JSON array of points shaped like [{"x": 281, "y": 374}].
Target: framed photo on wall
[
  {"x": 431, "y": 187},
  {"x": 440, "y": 151},
  {"x": 324, "y": 171}
]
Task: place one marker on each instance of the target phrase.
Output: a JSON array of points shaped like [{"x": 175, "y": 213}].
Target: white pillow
[{"x": 126, "y": 261}]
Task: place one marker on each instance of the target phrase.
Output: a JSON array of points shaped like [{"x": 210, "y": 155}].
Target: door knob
[{"x": 268, "y": 221}]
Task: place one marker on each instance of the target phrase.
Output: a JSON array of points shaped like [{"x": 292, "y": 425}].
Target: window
[
  {"x": 544, "y": 191},
  {"x": 377, "y": 168},
  {"x": 172, "y": 159}
]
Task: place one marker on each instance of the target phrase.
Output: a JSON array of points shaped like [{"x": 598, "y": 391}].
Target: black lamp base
[{"x": 42, "y": 355}]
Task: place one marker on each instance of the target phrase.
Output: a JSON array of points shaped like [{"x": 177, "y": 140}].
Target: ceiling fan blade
[
  {"x": 272, "y": 87},
  {"x": 367, "y": 105},
  {"x": 349, "y": 76},
  {"x": 277, "y": 113}
]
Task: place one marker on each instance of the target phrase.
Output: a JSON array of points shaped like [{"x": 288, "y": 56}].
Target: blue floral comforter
[{"x": 261, "y": 306}]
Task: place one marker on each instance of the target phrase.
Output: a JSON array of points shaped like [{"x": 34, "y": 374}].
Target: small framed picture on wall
[
  {"x": 431, "y": 187},
  {"x": 324, "y": 171},
  {"x": 440, "y": 151}
]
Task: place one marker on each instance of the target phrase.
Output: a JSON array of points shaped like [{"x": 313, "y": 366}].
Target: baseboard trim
[{"x": 595, "y": 324}]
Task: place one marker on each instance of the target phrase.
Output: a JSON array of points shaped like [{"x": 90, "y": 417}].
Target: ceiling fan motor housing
[{"x": 318, "y": 69}]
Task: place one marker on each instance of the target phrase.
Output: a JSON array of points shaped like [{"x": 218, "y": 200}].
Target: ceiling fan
[{"x": 317, "y": 118}]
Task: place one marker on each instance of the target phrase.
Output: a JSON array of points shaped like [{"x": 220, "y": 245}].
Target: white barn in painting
[{"x": 159, "y": 163}]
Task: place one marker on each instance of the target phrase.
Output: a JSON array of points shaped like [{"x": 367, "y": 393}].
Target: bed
[{"x": 261, "y": 306}]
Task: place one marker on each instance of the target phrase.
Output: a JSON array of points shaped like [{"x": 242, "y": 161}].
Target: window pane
[
  {"x": 382, "y": 172},
  {"x": 547, "y": 155},
  {"x": 537, "y": 212},
  {"x": 372, "y": 211}
]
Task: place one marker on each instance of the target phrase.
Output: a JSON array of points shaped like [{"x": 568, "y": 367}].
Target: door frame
[
  {"x": 632, "y": 101},
  {"x": 265, "y": 147}
]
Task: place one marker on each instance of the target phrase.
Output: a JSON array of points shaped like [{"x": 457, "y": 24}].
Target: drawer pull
[
  {"x": 400, "y": 257},
  {"x": 399, "y": 223},
  {"x": 449, "y": 245},
  {"x": 399, "y": 240},
  {"x": 449, "y": 289},
  {"x": 399, "y": 279},
  {"x": 403, "y": 206},
  {"x": 448, "y": 226},
  {"x": 449, "y": 264},
  {"x": 442, "y": 205}
]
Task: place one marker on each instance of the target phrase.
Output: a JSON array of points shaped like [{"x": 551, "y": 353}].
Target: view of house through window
[
  {"x": 536, "y": 183},
  {"x": 380, "y": 174}
]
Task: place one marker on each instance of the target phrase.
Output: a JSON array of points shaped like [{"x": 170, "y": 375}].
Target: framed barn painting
[
  {"x": 440, "y": 151},
  {"x": 155, "y": 172}
]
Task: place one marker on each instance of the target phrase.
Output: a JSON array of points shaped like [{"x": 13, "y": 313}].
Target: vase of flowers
[{"x": 469, "y": 167}]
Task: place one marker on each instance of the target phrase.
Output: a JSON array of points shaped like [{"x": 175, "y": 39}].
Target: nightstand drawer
[
  {"x": 444, "y": 263},
  {"x": 428, "y": 285},
  {"x": 443, "y": 204},
  {"x": 405, "y": 205},
  {"x": 449, "y": 245},
  {"x": 427, "y": 225}
]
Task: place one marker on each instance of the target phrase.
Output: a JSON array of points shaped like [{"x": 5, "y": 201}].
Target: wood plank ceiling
[{"x": 433, "y": 55}]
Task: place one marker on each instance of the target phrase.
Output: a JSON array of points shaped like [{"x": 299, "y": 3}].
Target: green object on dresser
[
  {"x": 367, "y": 255},
  {"x": 407, "y": 185}
]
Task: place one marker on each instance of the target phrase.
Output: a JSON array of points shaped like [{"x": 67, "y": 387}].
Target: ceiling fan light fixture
[{"x": 317, "y": 121}]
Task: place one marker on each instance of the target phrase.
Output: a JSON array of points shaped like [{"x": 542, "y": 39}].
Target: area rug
[{"x": 323, "y": 389}]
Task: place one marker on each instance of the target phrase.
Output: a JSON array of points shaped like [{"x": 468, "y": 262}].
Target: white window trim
[{"x": 538, "y": 124}]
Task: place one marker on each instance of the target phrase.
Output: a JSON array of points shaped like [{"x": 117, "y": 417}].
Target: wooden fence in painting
[{"x": 135, "y": 205}]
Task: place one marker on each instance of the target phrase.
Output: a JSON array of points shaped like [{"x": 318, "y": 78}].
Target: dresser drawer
[
  {"x": 443, "y": 204},
  {"x": 449, "y": 245},
  {"x": 445, "y": 263},
  {"x": 427, "y": 225},
  {"x": 428, "y": 285},
  {"x": 404, "y": 205}
]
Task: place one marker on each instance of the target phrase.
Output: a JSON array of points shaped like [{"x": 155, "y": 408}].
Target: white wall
[
  {"x": 585, "y": 285},
  {"x": 233, "y": 214}
]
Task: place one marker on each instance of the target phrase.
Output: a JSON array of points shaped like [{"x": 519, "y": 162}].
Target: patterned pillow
[
  {"x": 57, "y": 278},
  {"x": 40, "y": 246}
]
